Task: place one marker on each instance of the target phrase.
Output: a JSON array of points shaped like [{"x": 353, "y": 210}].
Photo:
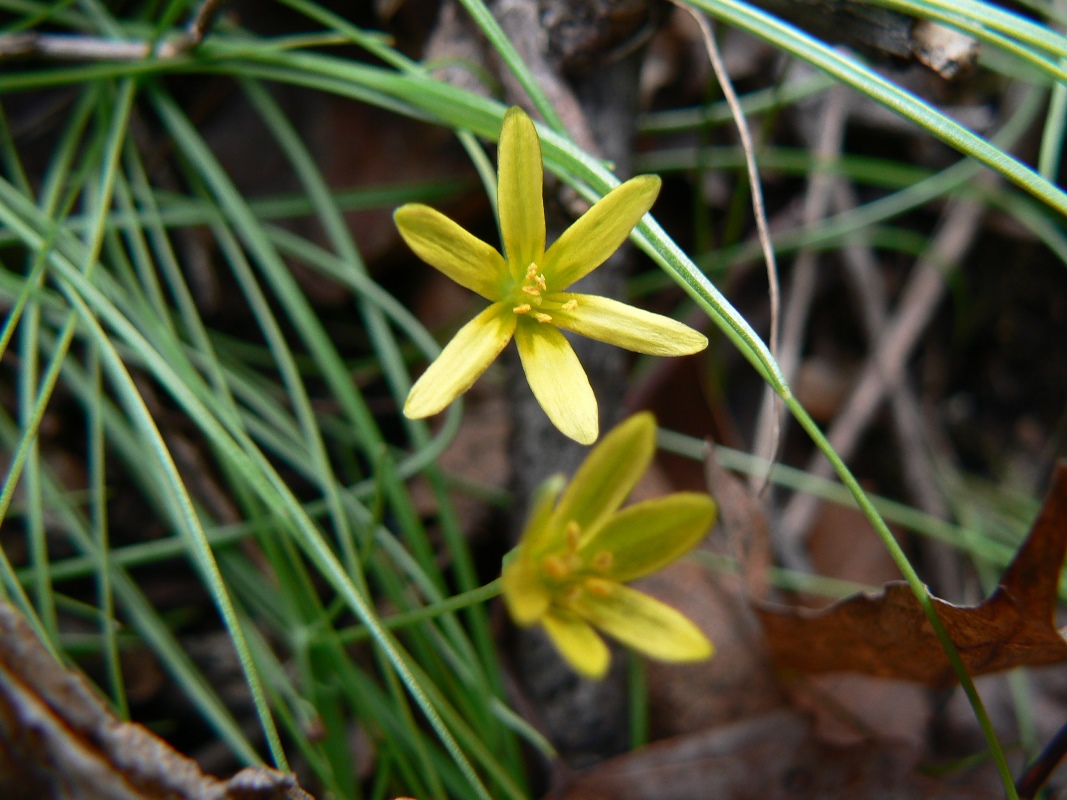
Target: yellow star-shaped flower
[
  {"x": 568, "y": 571},
  {"x": 527, "y": 288}
]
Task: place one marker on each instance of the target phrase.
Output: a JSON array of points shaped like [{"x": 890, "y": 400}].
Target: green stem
[{"x": 482, "y": 594}]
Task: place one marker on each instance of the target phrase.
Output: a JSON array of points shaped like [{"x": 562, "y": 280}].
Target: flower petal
[
  {"x": 625, "y": 326},
  {"x": 463, "y": 360},
  {"x": 608, "y": 474},
  {"x": 525, "y": 595},
  {"x": 447, "y": 246},
  {"x": 647, "y": 536},
  {"x": 643, "y": 623},
  {"x": 558, "y": 381},
  {"x": 594, "y": 236},
  {"x": 520, "y": 186},
  {"x": 538, "y": 536},
  {"x": 578, "y": 643}
]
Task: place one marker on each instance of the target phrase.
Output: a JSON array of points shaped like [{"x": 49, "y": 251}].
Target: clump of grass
[{"x": 102, "y": 312}]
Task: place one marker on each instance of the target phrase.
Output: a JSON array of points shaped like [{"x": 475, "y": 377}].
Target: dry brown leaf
[
  {"x": 888, "y": 634},
  {"x": 59, "y": 740},
  {"x": 742, "y": 529},
  {"x": 769, "y": 757},
  {"x": 738, "y": 682}
]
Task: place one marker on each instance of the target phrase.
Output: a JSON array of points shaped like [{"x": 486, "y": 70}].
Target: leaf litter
[{"x": 888, "y": 635}]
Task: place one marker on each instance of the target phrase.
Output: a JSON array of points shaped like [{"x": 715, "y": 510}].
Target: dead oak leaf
[
  {"x": 774, "y": 756},
  {"x": 888, "y": 635}
]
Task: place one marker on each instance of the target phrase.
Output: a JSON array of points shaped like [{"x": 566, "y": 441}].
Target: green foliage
[{"x": 101, "y": 311}]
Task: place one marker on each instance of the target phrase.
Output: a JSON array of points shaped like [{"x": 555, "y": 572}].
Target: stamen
[
  {"x": 572, "y": 595},
  {"x": 599, "y": 586},
  {"x": 602, "y": 561},
  {"x": 556, "y": 567},
  {"x": 531, "y": 271},
  {"x": 542, "y": 282},
  {"x": 533, "y": 291},
  {"x": 570, "y": 305},
  {"x": 525, "y": 307},
  {"x": 574, "y": 532},
  {"x": 542, "y": 317}
]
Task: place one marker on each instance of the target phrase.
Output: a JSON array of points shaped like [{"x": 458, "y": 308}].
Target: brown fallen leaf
[
  {"x": 888, "y": 634},
  {"x": 737, "y": 683},
  {"x": 59, "y": 740},
  {"x": 742, "y": 526},
  {"x": 774, "y": 756}
]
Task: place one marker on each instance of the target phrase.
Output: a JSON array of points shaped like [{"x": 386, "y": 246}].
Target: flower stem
[{"x": 482, "y": 594}]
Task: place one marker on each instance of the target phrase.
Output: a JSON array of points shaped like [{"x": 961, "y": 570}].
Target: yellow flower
[
  {"x": 568, "y": 570},
  {"x": 526, "y": 287}
]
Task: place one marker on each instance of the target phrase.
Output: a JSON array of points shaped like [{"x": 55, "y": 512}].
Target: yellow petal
[
  {"x": 446, "y": 246},
  {"x": 594, "y": 236},
  {"x": 558, "y": 381},
  {"x": 577, "y": 643},
  {"x": 463, "y": 360},
  {"x": 640, "y": 622},
  {"x": 520, "y": 184},
  {"x": 647, "y": 536},
  {"x": 538, "y": 536},
  {"x": 525, "y": 596},
  {"x": 608, "y": 473},
  {"x": 625, "y": 326}
]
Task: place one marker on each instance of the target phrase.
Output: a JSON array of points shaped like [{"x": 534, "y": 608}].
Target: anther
[
  {"x": 531, "y": 271},
  {"x": 556, "y": 567},
  {"x": 570, "y": 305},
  {"x": 599, "y": 587},
  {"x": 542, "y": 282},
  {"x": 542, "y": 317},
  {"x": 602, "y": 561},
  {"x": 533, "y": 291},
  {"x": 525, "y": 307},
  {"x": 574, "y": 532}
]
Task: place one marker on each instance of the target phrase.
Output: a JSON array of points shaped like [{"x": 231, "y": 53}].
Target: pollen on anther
[
  {"x": 599, "y": 587},
  {"x": 541, "y": 282},
  {"x": 573, "y": 532},
  {"x": 525, "y": 307},
  {"x": 602, "y": 561},
  {"x": 555, "y": 567},
  {"x": 533, "y": 291},
  {"x": 570, "y": 305},
  {"x": 531, "y": 271},
  {"x": 542, "y": 317}
]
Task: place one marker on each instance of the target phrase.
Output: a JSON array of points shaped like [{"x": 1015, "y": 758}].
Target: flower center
[
  {"x": 567, "y": 567},
  {"x": 530, "y": 295}
]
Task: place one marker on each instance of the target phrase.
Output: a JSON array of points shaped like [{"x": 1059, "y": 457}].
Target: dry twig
[
  {"x": 73, "y": 47},
  {"x": 758, "y": 207}
]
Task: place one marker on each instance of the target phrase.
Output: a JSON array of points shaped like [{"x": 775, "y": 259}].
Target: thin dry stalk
[
  {"x": 961, "y": 222},
  {"x": 833, "y": 113}
]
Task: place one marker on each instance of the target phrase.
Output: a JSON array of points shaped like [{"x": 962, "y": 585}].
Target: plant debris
[
  {"x": 59, "y": 740},
  {"x": 888, "y": 635}
]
